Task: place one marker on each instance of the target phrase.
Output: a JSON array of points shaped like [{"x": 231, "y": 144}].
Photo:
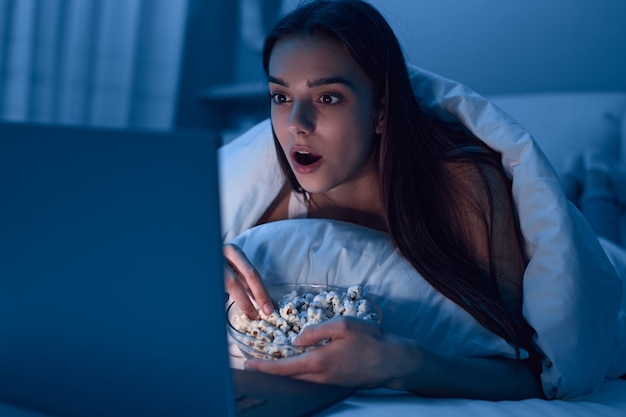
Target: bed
[{"x": 534, "y": 133}]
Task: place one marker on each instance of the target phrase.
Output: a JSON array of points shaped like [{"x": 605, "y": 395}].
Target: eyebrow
[{"x": 316, "y": 82}]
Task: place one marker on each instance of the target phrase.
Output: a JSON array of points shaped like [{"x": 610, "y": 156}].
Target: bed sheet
[{"x": 608, "y": 401}]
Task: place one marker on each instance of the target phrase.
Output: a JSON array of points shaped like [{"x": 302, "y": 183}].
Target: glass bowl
[{"x": 298, "y": 305}]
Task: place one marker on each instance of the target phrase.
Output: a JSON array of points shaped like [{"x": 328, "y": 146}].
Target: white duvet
[{"x": 573, "y": 295}]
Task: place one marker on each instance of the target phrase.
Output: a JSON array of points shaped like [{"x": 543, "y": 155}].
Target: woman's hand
[
  {"x": 243, "y": 283},
  {"x": 359, "y": 354}
]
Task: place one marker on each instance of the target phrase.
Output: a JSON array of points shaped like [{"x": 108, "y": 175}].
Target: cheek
[
  {"x": 353, "y": 151},
  {"x": 282, "y": 136},
  {"x": 279, "y": 125},
  {"x": 362, "y": 132},
  {"x": 275, "y": 118}
]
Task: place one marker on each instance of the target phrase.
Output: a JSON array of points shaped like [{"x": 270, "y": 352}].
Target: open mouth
[{"x": 306, "y": 158}]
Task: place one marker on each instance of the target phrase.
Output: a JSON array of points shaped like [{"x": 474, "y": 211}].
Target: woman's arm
[
  {"x": 362, "y": 355},
  {"x": 477, "y": 378}
]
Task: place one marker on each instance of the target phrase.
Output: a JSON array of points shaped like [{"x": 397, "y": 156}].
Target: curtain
[{"x": 110, "y": 63}]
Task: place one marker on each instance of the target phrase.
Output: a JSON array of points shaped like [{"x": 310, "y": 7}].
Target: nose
[{"x": 301, "y": 120}]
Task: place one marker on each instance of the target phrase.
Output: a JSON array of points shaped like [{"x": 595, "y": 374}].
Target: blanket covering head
[{"x": 572, "y": 293}]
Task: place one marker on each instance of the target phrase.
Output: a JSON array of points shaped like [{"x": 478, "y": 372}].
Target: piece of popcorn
[
  {"x": 291, "y": 336},
  {"x": 298, "y": 302},
  {"x": 282, "y": 324},
  {"x": 254, "y": 330},
  {"x": 281, "y": 339},
  {"x": 315, "y": 314},
  {"x": 289, "y": 312},
  {"x": 334, "y": 300},
  {"x": 303, "y": 316},
  {"x": 320, "y": 301},
  {"x": 264, "y": 337},
  {"x": 273, "y": 318},
  {"x": 354, "y": 292},
  {"x": 273, "y": 350},
  {"x": 349, "y": 309}
]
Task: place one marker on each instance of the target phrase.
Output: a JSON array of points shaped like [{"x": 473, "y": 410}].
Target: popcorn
[
  {"x": 315, "y": 314},
  {"x": 354, "y": 293},
  {"x": 289, "y": 312},
  {"x": 274, "y": 333}
]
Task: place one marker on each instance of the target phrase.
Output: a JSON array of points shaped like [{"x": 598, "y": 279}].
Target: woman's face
[{"x": 322, "y": 112}]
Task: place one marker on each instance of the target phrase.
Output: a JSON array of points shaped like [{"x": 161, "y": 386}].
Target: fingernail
[{"x": 268, "y": 308}]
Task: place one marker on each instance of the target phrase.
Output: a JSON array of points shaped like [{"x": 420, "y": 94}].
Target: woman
[{"x": 351, "y": 140}]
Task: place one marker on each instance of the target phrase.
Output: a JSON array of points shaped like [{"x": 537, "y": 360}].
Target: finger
[
  {"x": 292, "y": 367},
  {"x": 308, "y": 367},
  {"x": 315, "y": 333},
  {"x": 335, "y": 328},
  {"x": 248, "y": 276},
  {"x": 238, "y": 293}
]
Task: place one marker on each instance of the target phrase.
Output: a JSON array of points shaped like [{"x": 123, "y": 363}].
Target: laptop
[{"x": 111, "y": 280}]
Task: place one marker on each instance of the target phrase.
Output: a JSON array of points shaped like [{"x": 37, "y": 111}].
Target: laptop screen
[{"x": 111, "y": 281}]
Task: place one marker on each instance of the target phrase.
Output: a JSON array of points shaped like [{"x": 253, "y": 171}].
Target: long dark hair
[{"x": 412, "y": 150}]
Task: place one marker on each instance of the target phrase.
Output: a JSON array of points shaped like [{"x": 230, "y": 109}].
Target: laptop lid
[{"x": 110, "y": 273}]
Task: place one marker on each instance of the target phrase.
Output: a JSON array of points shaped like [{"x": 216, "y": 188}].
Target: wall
[{"x": 511, "y": 46}]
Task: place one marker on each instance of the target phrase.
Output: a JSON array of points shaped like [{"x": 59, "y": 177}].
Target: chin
[{"x": 312, "y": 188}]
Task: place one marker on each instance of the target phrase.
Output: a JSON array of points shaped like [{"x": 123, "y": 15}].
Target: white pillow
[
  {"x": 250, "y": 178},
  {"x": 344, "y": 254}
]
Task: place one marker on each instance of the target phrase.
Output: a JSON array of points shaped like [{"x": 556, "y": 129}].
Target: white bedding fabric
[
  {"x": 608, "y": 401},
  {"x": 572, "y": 293}
]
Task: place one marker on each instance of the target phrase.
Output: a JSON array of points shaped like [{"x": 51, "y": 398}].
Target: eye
[
  {"x": 278, "y": 98},
  {"x": 329, "y": 99}
]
